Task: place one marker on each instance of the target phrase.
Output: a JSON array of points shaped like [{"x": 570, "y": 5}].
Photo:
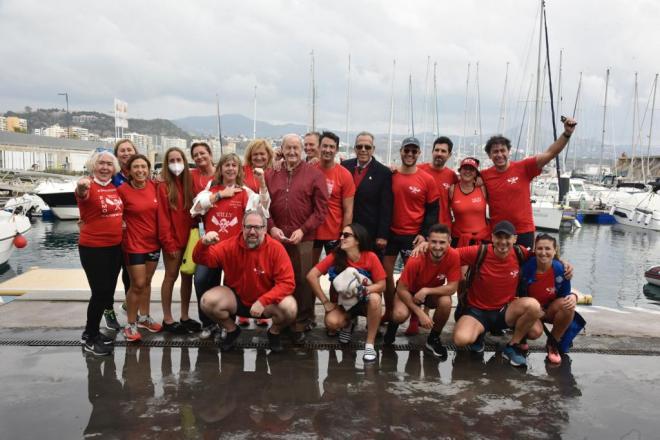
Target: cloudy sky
[{"x": 169, "y": 59}]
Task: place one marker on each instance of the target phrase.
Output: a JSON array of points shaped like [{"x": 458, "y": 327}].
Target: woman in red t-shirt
[
  {"x": 258, "y": 154},
  {"x": 140, "y": 245},
  {"x": 175, "y": 196},
  {"x": 352, "y": 252},
  {"x": 99, "y": 243},
  {"x": 468, "y": 203},
  {"x": 222, "y": 207}
]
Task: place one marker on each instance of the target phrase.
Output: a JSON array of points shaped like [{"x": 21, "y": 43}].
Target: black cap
[
  {"x": 411, "y": 141},
  {"x": 504, "y": 226}
]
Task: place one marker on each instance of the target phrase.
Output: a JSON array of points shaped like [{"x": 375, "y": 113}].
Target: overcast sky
[{"x": 169, "y": 59}]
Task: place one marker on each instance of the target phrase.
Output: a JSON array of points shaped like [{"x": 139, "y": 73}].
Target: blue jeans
[{"x": 205, "y": 278}]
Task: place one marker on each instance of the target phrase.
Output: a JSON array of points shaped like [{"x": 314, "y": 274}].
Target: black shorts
[
  {"x": 328, "y": 245},
  {"x": 136, "y": 259},
  {"x": 526, "y": 239},
  {"x": 402, "y": 244},
  {"x": 492, "y": 320},
  {"x": 241, "y": 309}
]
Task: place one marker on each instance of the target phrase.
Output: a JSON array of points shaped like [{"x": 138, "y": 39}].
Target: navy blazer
[{"x": 372, "y": 207}]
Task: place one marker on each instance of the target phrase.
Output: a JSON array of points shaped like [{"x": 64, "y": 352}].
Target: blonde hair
[
  {"x": 255, "y": 144},
  {"x": 229, "y": 157},
  {"x": 123, "y": 141},
  {"x": 169, "y": 179}
]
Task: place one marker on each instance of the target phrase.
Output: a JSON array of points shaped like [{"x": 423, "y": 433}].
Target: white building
[
  {"x": 3, "y": 123},
  {"x": 143, "y": 142},
  {"x": 53, "y": 131},
  {"x": 169, "y": 142}
]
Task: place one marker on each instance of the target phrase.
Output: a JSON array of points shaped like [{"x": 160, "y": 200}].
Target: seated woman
[
  {"x": 352, "y": 252},
  {"x": 545, "y": 280},
  {"x": 467, "y": 202}
]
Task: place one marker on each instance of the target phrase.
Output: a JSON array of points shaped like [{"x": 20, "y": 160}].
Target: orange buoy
[{"x": 20, "y": 242}]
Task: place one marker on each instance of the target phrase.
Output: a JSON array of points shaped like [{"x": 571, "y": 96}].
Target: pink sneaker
[{"x": 553, "y": 354}]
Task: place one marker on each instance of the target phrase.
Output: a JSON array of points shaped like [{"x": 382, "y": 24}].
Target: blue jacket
[{"x": 562, "y": 285}]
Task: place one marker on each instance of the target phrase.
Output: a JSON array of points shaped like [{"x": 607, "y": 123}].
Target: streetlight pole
[{"x": 68, "y": 119}]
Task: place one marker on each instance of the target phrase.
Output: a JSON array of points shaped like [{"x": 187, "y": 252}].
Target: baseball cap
[
  {"x": 504, "y": 226},
  {"x": 410, "y": 141},
  {"x": 470, "y": 161}
]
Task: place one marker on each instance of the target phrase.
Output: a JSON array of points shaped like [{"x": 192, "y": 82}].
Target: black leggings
[{"x": 101, "y": 265}]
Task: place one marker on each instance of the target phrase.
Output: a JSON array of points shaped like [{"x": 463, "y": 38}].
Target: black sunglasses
[
  {"x": 346, "y": 235},
  {"x": 363, "y": 147}
]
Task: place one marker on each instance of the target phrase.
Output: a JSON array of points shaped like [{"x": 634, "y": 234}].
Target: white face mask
[{"x": 176, "y": 168}]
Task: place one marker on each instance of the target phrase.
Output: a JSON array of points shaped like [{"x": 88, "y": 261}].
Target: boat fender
[{"x": 20, "y": 241}]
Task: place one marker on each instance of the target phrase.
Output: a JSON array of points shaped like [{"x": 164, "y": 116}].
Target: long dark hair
[
  {"x": 361, "y": 236},
  {"x": 551, "y": 239},
  {"x": 170, "y": 179}
]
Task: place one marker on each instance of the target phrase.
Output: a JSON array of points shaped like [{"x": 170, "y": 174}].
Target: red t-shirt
[
  {"x": 173, "y": 224},
  {"x": 141, "y": 218},
  {"x": 497, "y": 281},
  {"x": 509, "y": 194},
  {"x": 543, "y": 289},
  {"x": 368, "y": 262},
  {"x": 199, "y": 181},
  {"x": 444, "y": 178},
  {"x": 340, "y": 186},
  {"x": 249, "y": 180},
  {"x": 226, "y": 215},
  {"x": 100, "y": 216},
  {"x": 421, "y": 271},
  {"x": 469, "y": 213},
  {"x": 412, "y": 192}
]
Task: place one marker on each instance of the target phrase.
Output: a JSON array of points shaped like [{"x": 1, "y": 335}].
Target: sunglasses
[
  {"x": 363, "y": 147},
  {"x": 414, "y": 151},
  {"x": 346, "y": 235}
]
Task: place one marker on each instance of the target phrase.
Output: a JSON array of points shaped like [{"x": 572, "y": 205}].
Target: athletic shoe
[
  {"x": 390, "y": 334},
  {"x": 553, "y": 354},
  {"x": 174, "y": 328},
  {"x": 228, "y": 343},
  {"x": 131, "y": 333},
  {"x": 477, "y": 346},
  {"x": 107, "y": 340},
  {"x": 435, "y": 347},
  {"x": 298, "y": 338},
  {"x": 111, "y": 320},
  {"x": 96, "y": 347},
  {"x": 514, "y": 355},
  {"x": 524, "y": 346},
  {"x": 261, "y": 322},
  {"x": 413, "y": 326},
  {"x": 370, "y": 353},
  {"x": 208, "y": 331},
  {"x": 191, "y": 325},
  {"x": 346, "y": 334},
  {"x": 124, "y": 308},
  {"x": 274, "y": 342},
  {"x": 243, "y": 322},
  {"x": 148, "y": 323}
]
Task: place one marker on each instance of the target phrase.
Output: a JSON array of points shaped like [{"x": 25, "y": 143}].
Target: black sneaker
[
  {"x": 107, "y": 340},
  {"x": 174, "y": 328},
  {"x": 191, "y": 325},
  {"x": 298, "y": 338},
  {"x": 435, "y": 347},
  {"x": 390, "y": 334},
  {"x": 227, "y": 344},
  {"x": 274, "y": 342},
  {"x": 96, "y": 347},
  {"x": 111, "y": 320}
]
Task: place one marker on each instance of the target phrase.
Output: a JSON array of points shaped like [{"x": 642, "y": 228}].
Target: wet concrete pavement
[{"x": 143, "y": 392}]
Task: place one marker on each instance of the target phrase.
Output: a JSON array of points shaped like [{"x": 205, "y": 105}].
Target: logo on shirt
[
  {"x": 446, "y": 185},
  {"x": 559, "y": 279},
  {"x": 223, "y": 224},
  {"x": 476, "y": 199},
  {"x": 110, "y": 206},
  {"x": 258, "y": 271},
  {"x": 331, "y": 185},
  {"x": 513, "y": 273},
  {"x": 414, "y": 189},
  {"x": 550, "y": 290},
  {"x": 512, "y": 180}
]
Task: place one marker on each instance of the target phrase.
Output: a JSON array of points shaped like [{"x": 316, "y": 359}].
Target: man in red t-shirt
[
  {"x": 259, "y": 280},
  {"x": 508, "y": 183},
  {"x": 444, "y": 177},
  {"x": 491, "y": 298},
  {"x": 414, "y": 210},
  {"x": 428, "y": 279},
  {"x": 341, "y": 192}
]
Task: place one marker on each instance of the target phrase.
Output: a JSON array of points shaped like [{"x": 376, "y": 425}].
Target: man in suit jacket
[{"x": 372, "y": 207}]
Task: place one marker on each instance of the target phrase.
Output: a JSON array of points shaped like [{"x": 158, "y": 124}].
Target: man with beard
[
  {"x": 444, "y": 177},
  {"x": 259, "y": 280}
]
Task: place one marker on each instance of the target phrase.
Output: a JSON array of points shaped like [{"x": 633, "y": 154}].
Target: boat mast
[
  {"x": 254, "y": 117},
  {"x": 575, "y": 109},
  {"x": 435, "y": 100},
  {"x": 348, "y": 103},
  {"x": 501, "y": 125},
  {"x": 478, "y": 114},
  {"x": 559, "y": 96},
  {"x": 465, "y": 113},
  {"x": 412, "y": 110},
  {"x": 522, "y": 122},
  {"x": 648, "y": 149},
  {"x": 602, "y": 139},
  {"x": 312, "y": 94},
  {"x": 537, "y": 104},
  {"x": 631, "y": 169},
  {"x": 217, "y": 107},
  {"x": 389, "y": 142},
  {"x": 426, "y": 107}
]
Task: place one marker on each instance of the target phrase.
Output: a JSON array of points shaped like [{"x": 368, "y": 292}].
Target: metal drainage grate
[{"x": 312, "y": 345}]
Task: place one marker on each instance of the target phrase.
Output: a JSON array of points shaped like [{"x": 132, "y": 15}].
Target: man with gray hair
[
  {"x": 299, "y": 199},
  {"x": 259, "y": 280}
]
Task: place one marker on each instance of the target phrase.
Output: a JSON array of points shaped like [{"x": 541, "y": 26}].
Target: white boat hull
[
  {"x": 547, "y": 216},
  {"x": 636, "y": 218},
  {"x": 10, "y": 225},
  {"x": 66, "y": 212}
]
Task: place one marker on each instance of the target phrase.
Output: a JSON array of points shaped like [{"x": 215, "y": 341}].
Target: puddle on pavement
[{"x": 58, "y": 392}]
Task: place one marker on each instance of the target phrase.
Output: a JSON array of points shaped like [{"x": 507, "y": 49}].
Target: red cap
[{"x": 469, "y": 161}]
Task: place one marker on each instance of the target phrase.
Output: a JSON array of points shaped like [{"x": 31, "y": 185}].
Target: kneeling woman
[
  {"x": 99, "y": 243},
  {"x": 545, "y": 281},
  {"x": 141, "y": 246},
  {"x": 352, "y": 252}
]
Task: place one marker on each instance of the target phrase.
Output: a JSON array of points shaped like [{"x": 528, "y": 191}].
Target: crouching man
[{"x": 259, "y": 280}]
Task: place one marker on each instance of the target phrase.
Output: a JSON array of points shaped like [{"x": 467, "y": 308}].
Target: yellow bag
[{"x": 188, "y": 266}]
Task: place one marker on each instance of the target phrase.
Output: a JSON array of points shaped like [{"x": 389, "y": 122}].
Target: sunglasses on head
[{"x": 363, "y": 147}]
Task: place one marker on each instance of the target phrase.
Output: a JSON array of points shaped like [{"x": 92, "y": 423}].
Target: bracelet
[{"x": 567, "y": 136}]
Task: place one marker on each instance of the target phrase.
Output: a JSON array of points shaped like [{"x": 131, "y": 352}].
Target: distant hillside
[
  {"x": 234, "y": 125},
  {"x": 98, "y": 123}
]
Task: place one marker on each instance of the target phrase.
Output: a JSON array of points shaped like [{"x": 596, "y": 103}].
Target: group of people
[{"x": 265, "y": 222}]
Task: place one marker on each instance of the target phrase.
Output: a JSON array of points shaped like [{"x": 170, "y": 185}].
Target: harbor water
[{"x": 609, "y": 260}]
